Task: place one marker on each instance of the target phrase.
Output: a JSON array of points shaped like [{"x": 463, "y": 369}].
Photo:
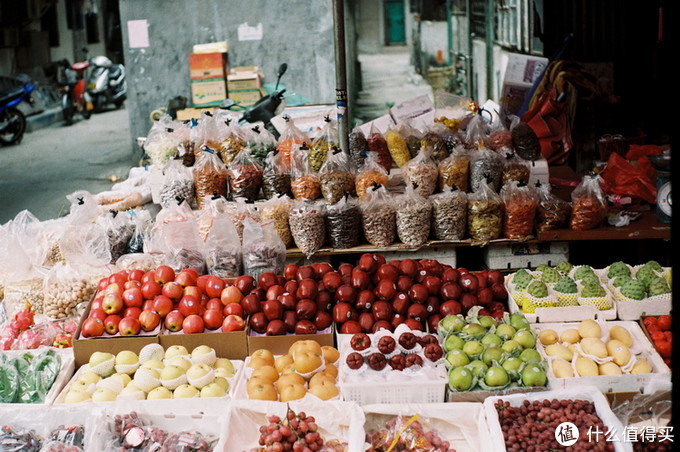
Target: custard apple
[
  {"x": 566, "y": 285},
  {"x": 542, "y": 268},
  {"x": 645, "y": 275},
  {"x": 654, "y": 265},
  {"x": 618, "y": 269},
  {"x": 564, "y": 267},
  {"x": 658, "y": 286},
  {"x": 634, "y": 289},
  {"x": 582, "y": 271},
  {"x": 523, "y": 284},
  {"x": 619, "y": 281},
  {"x": 593, "y": 290},
  {"x": 537, "y": 289},
  {"x": 521, "y": 276},
  {"x": 550, "y": 275}
]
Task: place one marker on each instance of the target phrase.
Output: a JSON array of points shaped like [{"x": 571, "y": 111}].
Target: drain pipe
[
  {"x": 490, "y": 38},
  {"x": 341, "y": 74}
]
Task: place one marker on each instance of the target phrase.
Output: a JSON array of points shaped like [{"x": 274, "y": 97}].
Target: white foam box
[
  {"x": 524, "y": 255},
  {"x": 581, "y": 393},
  {"x": 341, "y": 421},
  {"x": 540, "y": 172},
  {"x": 443, "y": 254},
  {"x": 633, "y": 310},
  {"x": 463, "y": 424},
  {"x": 610, "y": 383},
  {"x": 67, "y": 368}
]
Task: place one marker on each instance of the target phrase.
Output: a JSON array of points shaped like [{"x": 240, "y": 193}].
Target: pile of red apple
[{"x": 133, "y": 302}]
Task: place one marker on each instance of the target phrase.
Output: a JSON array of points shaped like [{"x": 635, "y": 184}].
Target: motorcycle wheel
[
  {"x": 99, "y": 103},
  {"x": 87, "y": 114},
  {"x": 15, "y": 130},
  {"x": 68, "y": 109}
]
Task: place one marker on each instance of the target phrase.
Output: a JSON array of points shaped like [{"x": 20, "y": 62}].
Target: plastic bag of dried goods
[
  {"x": 308, "y": 226},
  {"x": 343, "y": 223},
  {"x": 161, "y": 142},
  {"x": 304, "y": 183},
  {"x": 261, "y": 142},
  {"x": 449, "y": 214},
  {"x": 454, "y": 170},
  {"x": 433, "y": 140},
  {"x": 378, "y": 216},
  {"x": 485, "y": 213},
  {"x": 210, "y": 176},
  {"x": 520, "y": 203},
  {"x": 277, "y": 209},
  {"x": 515, "y": 168},
  {"x": 413, "y": 217},
  {"x": 290, "y": 138},
  {"x": 552, "y": 212},
  {"x": 275, "y": 177},
  {"x": 245, "y": 176},
  {"x": 397, "y": 146},
  {"x": 336, "y": 176},
  {"x": 485, "y": 166},
  {"x": 262, "y": 250},
  {"x": 178, "y": 181},
  {"x": 371, "y": 173},
  {"x": 377, "y": 144},
  {"x": 421, "y": 171},
  {"x": 324, "y": 143},
  {"x": 588, "y": 205},
  {"x": 358, "y": 147}
]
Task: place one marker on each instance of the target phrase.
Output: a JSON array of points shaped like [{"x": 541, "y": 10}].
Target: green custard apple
[
  {"x": 618, "y": 269},
  {"x": 520, "y": 276},
  {"x": 658, "y": 286},
  {"x": 593, "y": 290},
  {"x": 564, "y": 267},
  {"x": 550, "y": 275},
  {"x": 522, "y": 285},
  {"x": 654, "y": 265},
  {"x": 590, "y": 279},
  {"x": 634, "y": 289},
  {"x": 566, "y": 285},
  {"x": 645, "y": 275},
  {"x": 542, "y": 268},
  {"x": 537, "y": 289},
  {"x": 619, "y": 281},
  {"x": 583, "y": 271}
]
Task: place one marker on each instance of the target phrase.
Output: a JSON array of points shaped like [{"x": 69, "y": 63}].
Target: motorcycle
[
  {"x": 12, "y": 120},
  {"x": 106, "y": 83},
  {"x": 72, "y": 87}
]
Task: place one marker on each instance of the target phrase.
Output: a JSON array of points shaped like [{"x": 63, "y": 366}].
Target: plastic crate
[
  {"x": 421, "y": 391},
  {"x": 524, "y": 255}
]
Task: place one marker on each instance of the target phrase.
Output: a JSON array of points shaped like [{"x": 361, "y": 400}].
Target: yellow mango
[
  {"x": 559, "y": 350},
  {"x": 594, "y": 346},
  {"x": 610, "y": 368},
  {"x": 586, "y": 367},
  {"x": 618, "y": 351},
  {"x": 589, "y": 328},
  {"x": 570, "y": 335},
  {"x": 621, "y": 334},
  {"x": 547, "y": 337},
  {"x": 641, "y": 367},
  {"x": 561, "y": 368}
]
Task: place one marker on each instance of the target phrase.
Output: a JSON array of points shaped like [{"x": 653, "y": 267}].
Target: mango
[
  {"x": 610, "y": 368},
  {"x": 641, "y": 367},
  {"x": 559, "y": 350},
  {"x": 547, "y": 337},
  {"x": 594, "y": 346},
  {"x": 589, "y": 328},
  {"x": 586, "y": 367},
  {"x": 570, "y": 335},
  {"x": 618, "y": 351},
  {"x": 561, "y": 368},
  {"x": 621, "y": 334}
]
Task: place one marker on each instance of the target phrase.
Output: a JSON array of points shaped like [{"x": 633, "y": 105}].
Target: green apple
[
  {"x": 102, "y": 394},
  {"x": 460, "y": 378},
  {"x": 159, "y": 393},
  {"x": 127, "y": 358},
  {"x": 75, "y": 395},
  {"x": 453, "y": 342},
  {"x": 525, "y": 338},
  {"x": 473, "y": 348},
  {"x": 491, "y": 339},
  {"x": 176, "y": 350},
  {"x": 185, "y": 391},
  {"x": 225, "y": 363},
  {"x": 221, "y": 381},
  {"x": 97, "y": 358},
  {"x": 457, "y": 358},
  {"x": 511, "y": 345},
  {"x": 179, "y": 361},
  {"x": 213, "y": 390}
]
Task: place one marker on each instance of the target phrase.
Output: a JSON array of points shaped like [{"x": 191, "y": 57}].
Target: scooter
[
  {"x": 12, "y": 120},
  {"x": 74, "y": 98},
  {"x": 106, "y": 83}
]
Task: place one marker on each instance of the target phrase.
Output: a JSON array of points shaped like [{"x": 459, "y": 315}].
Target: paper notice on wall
[
  {"x": 382, "y": 124},
  {"x": 248, "y": 33},
  {"x": 419, "y": 111},
  {"x": 521, "y": 72},
  {"x": 138, "y": 33}
]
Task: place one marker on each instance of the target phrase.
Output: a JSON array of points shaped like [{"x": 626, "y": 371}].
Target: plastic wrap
[
  {"x": 261, "y": 142},
  {"x": 28, "y": 378},
  {"x": 222, "y": 248},
  {"x": 336, "y": 176},
  {"x": 210, "y": 176},
  {"x": 178, "y": 182},
  {"x": 358, "y": 147},
  {"x": 19, "y": 440},
  {"x": 413, "y": 217},
  {"x": 407, "y": 434},
  {"x": 378, "y": 217},
  {"x": 161, "y": 143},
  {"x": 290, "y": 138},
  {"x": 325, "y": 142},
  {"x": 397, "y": 146},
  {"x": 245, "y": 176},
  {"x": 378, "y": 145},
  {"x": 307, "y": 225},
  {"x": 275, "y": 178},
  {"x": 588, "y": 205},
  {"x": 485, "y": 166},
  {"x": 421, "y": 171},
  {"x": 371, "y": 173},
  {"x": 552, "y": 212},
  {"x": 278, "y": 210},
  {"x": 177, "y": 236},
  {"x": 211, "y": 130},
  {"x": 520, "y": 203},
  {"x": 454, "y": 171},
  {"x": 343, "y": 224},
  {"x": 485, "y": 214},
  {"x": 449, "y": 214},
  {"x": 263, "y": 250},
  {"x": 119, "y": 229},
  {"x": 514, "y": 168},
  {"x": 304, "y": 183}
]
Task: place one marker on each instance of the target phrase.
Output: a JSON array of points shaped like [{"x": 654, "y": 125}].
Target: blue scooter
[{"x": 13, "y": 91}]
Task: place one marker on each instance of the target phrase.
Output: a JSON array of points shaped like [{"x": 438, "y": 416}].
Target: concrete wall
[
  {"x": 299, "y": 32},
  {"x": 65, "y": 48},
  {"x": 370, "y": 26}
]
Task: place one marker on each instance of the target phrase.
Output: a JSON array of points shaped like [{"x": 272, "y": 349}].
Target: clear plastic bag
[
  {"x": 421, "y": 171},
  {"x": 222, "y": 248},
  {"x": 304, "y": 183},
  {"x": 514, "y": 168},
  {"x": 119, "y": 229},
  {"x": 307, "y": 225},
  {"x": 433, "y": 141},
  {"x": 476, "y": 132},
  {"x": 210, "y": 131},
  {"x": 65, "y": 287},
  {"x": 454, "y": 171},
  {"x": 324, "y": 143},
  {"x": 485, "y": 166},
  {"x": 485, "y": 213},
  {"x": 141, "y": 223},
  {"x": 588, "y": 205},
  {"x": 233, "y": 142},
  {"x": 358, "y": 147},
  {"x": 275, "y": 178},
  {"x": 19, "y": 440},
  {"x": 413, "y": 217},
  {"x": 378, "y": 217},
  {"x": 407, "y": 434},
  {"x": 449, "y": 214},
  {"x": 242, "y": 211},
  {"x": 371, "y": 173},
  {"x": 261, "y": 142},
  {"x": 343, "y": 224},
  {"x": 177, "y": 236},
  {"x": 500, "y": 137},
  {"x": 397, "y": 146},
  {"x": 290, "y": 138},
  {"x": 161, "y": 143},
  {"x": 210, "y": 176},
  {"x": 335, "y": 177},
  {"x": 411, "y": 136},
  {"x": 378, "y": 145},
  {"x": 520, "y": 203},
  {"x": 178, "y": 182},
  {"x": 245, "y": 176},
  {"x": 263, "y": 250},
  {"x": 552, "y": 212},
  {"x": 278, "y": 210}
]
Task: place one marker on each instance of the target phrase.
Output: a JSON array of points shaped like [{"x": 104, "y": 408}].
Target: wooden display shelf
[{"x": 645, "y": 227}]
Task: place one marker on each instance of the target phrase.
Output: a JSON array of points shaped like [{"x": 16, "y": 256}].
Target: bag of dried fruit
[
  {"x": 588, "y": 205},
  {"x": 275, "y": 178},
  {"x": 454, "y": 170},
  {"x": 378, "y": 216},
  {"x": 515, "y": 168},
  {"x": 377, "y": 144},
  {"x": 323, "y": 143},
  {"x": 397, "y": 146},
  {"x": 413, "y": 217},
  {"x": 412, "y": 136},
  {"x": 421, "y": 171},
  {"x": 210, "y": 176},
  {"x": 500, "y": 137},
  {"x": 232, "y": 141},
  {"x": 552, "y": 212},
  {"x": 261, "y": 142},
  {"x": 433, "y": 141},
  {"x": 245, "y": 176},
  {"x": 358, "y": 147},
  {"x": 520, "y": 203},
  {"x": 371, "y": 173},
  {"x": 240, "y": 210},
  {"x": 277, "y": 209},
  {"x": 304, "y": 183},
  {"x": 336, "y": 176},
  {"x": 262, "y": 250},
  {"x": 485, "y": 166},
  {"x": 290, "y": 138},
  {"x": 485, "y": 213},
  {"x": 308, "y": 226},
  {"x": 178, "y": 181},
  {"x": 449, "y": 214}
]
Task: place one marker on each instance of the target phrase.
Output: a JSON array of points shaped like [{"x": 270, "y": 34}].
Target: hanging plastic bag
[
  {"x": 434, "y": 142},
  {"x": 485, "y": 166},
  {"x": 378, "y": 145},
  {"x": 304, "y": 183},
  {"x": 222, "y": 248},
  {"x": 161, "y": 143},
  {"x": 335, "y": 177},
  {"x": 414, "y": 215},
  {"x": 233, "y": 142},
  {"x": 552, "y": 212},
  {"x": 343, "y": 224},
  {"x": 588, "y": 205},
  {"x": 323, "y": 144},
  {"x": 514, "y": 168},
  {"x": 397, "y": 147},
  {"x": 378, "y": 217},
  {"x": 358, "y": 147},
  {"x": 263, "y": 250},
  {"x": 119, "y": 229},
  {"x": 179, "y": 238},
  {"x": 210, "y": 176},
  {"x": 476, "y": 132},
  {"x": 275, "y": 178},
  {"x": 485, "y": 213},
  {"x": 243, "y": 210},
  {"x": 449, "y": 214},
  {"x": 245, "y": 176},
  {"x": 454, "y": 171},
  {"x": 421, "y": 171},
  {"x": 178, "y": 182},
  {"x": 371, "y": 173},
  {"x": 290, "y": 139},
  {"x": 520, "y": 204},
  {"x": 277, "y": 209},
  {"x": 307, "y": 225},
  {"x": 261, "y": 142}
]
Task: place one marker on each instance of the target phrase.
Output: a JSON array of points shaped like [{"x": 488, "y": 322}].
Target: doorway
[{"x": 395, "y": 27}]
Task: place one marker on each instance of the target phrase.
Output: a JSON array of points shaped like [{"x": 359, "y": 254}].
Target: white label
[
  {"x": 248, "y": 33},
  {"x": 663, "y": 198},
  {"x": 138, "y": 33},
  {"x": 419, "y": 110}
]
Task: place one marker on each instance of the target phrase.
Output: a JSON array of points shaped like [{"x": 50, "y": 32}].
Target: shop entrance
[{"x": 395, "y": 29}]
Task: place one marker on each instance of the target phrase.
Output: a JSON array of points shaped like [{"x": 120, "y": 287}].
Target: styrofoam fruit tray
[
  {"x": 341, "y": 421},
  {"x": 67, "y": 368},
  {"x": 462, "y": 424},
  {"x": 641, "y": 348},
  {"x": 584, "y": 392}
]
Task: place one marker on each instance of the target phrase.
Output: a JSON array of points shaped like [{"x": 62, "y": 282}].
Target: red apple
[
  {"x": 214, "y": 286},
  {"x": 101, "y": 285},
  {"x": 418, "y": 293},
  {"x": 290, "y": 271},
  {"x": 418, "y": 312},
  {"x": 251, "y": 304},
  {"x": 151, "y": 289},
  {"x": 245, "y": 283},
  {"x": 131, "y": 284},
  {"x": 467, "y": 300},
  {"x": 186, "y": 278},
  {"x": 365, "y": 300},
  {"x": 267, "y": 279},
  {"x": 173, "y": 321},
  {"x": 213, "y": 318},
  {"x": 132, "y": 312},
  {"x": 288, "y": 301},
  {"x": 481, "y": 279},
  {"x": 345, "y": 269},
  {"x": 346, "y": 294},
  {"x": 366, "y": 320},
  {"x": 432, "y": 304},
  {"x": 272, "y": 309},
  {"x": 111, "y": 323},
  {"x": 305, "y": 272},
  {"x": 291, "y": 286},
  {"x": 322, "y": 320},
  {"x": 433, "y": 322},
  {"x": 259, "y": 293},
  {"x": 98, "y": 313},
  {"x": 494, "y": 277},
  {"x": 97, "y": 302},
  {"x": 368, "y": 263},
  {"x": 450, "y": 275},
  {"x": 118, "y": 278},
  {"x": 408, "y": 267},
  {"x": 276, "y": 328},
  {"x": 164, "y": 274},
  {"x": 450, "y": 291},
  {"x": 307, "y": 288},
  {"x": 92, "y": 327},
  {"x": 388, "y": 271},
  {"x": 233, "y": 322},
  {"x": 324, "y": 301},
  {"x": 342, "y": 312},
  {"x": 189, "y": 305},
  {"x": 290, "y": 319},
  {"x": 360, "y": 279},
  {"x": 149, "y": 277},
  {"x": 382, "y": 310},
  {"x": 414, "y": 324},
  {"x": 397, "y": 319},
  {"x": 274, "y": 292},
  {"x": 468, "y": 282},
  {"x": 136, "y": 275},
  {"x": 305, "y": 309},
  {"x": 385, "y": 289},
  {"x": 404, "y": 283},
  {"x": 350, "y": 327},
  {"x": 450, "y": 307},
  {"x": 172, "y": 290},
  {"x": 258, "y": 322},
  {"x": 305, "y": 327},
  {"x": 149, "y": 320},
  {"x": 485, "y": 297},
  {"x": 499, "y": 291},
  {"x": 113, "y": 303},
  {"x": 332, "y": 280},
  {"x": 231, "y": 294},
  {"x": 233, "y": 309},
  {"x": 382, "y": 325},
  {"x": 133, "y": 298},
  {"x": 215, "y": 303},
  {"x": 147, "y": 305},
  {"x": 193, "y": 324},
  {"x": 129, "y": 326}
]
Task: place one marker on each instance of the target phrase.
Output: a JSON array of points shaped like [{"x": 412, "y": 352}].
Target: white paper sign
[
  {"x": 419, "y": 110},
  {"x": 521, "y": 71},
  {"x": 382, "y": 124},
  {"x": 248, "y": 33},
  {"x": 138, "y": 33}
]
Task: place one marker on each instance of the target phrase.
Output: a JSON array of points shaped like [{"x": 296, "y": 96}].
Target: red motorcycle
[{"x": 72, "y": 86}]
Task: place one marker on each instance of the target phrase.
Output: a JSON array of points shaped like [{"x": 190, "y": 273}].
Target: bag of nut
[
  {"x": 304, "y": 183},
  {"x": 278, "y": 209},
  {"x": 245, "y": 176},
  {"x": 414, "y": 214},
  {"x": 449, "y": 214},
  {"x": 241, "y": 210},
  {"x": 222, "y": 248},
  {"x": 343, "y": 223},
  {"x": 486, "y": 166},
  {"x": 275, "y": 178},
  {"x": 520, "y": 203},
  {"x": 262, "y": 250},
  {"x": 434, "y": 141},
  {"x": 233, "y": 142},
  {"x": 371, "y": 173},
  {"x": 210, "y": 176},
  {"x": 308, "y": 226},
  {"x": 378, "y": 216},
  {"x": 421, "y": 171},
  {"x": 322, "y": 144},
  {"x": 411, "y": 135},
  {"x": 66, "y": 286},
  {"x": 177, "y": 181},
  {"x": 336, "y": 176}
]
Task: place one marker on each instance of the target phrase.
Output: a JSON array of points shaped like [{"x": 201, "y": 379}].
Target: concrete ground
[{"x": 55, "y": 161}]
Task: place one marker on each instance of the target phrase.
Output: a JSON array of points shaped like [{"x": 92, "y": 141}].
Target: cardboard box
[
  {"x": 279, "y": 345},
  {"x": 211, "y": 47},
  {"x": 480, "y": 396},
  {"x": 245, "y": 98},
  {"x": 208, "y": 92},
  {"x": 244, "y": 79},
  {"x": 207, "y": 65},
  {"x": 231, "y": 345}
]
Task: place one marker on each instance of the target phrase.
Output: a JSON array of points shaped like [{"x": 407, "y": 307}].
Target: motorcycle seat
[
  {"x": 10, "y": 95},
  {"x": 79, "y": 66},
  {"x": 115, "y": 71}
]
